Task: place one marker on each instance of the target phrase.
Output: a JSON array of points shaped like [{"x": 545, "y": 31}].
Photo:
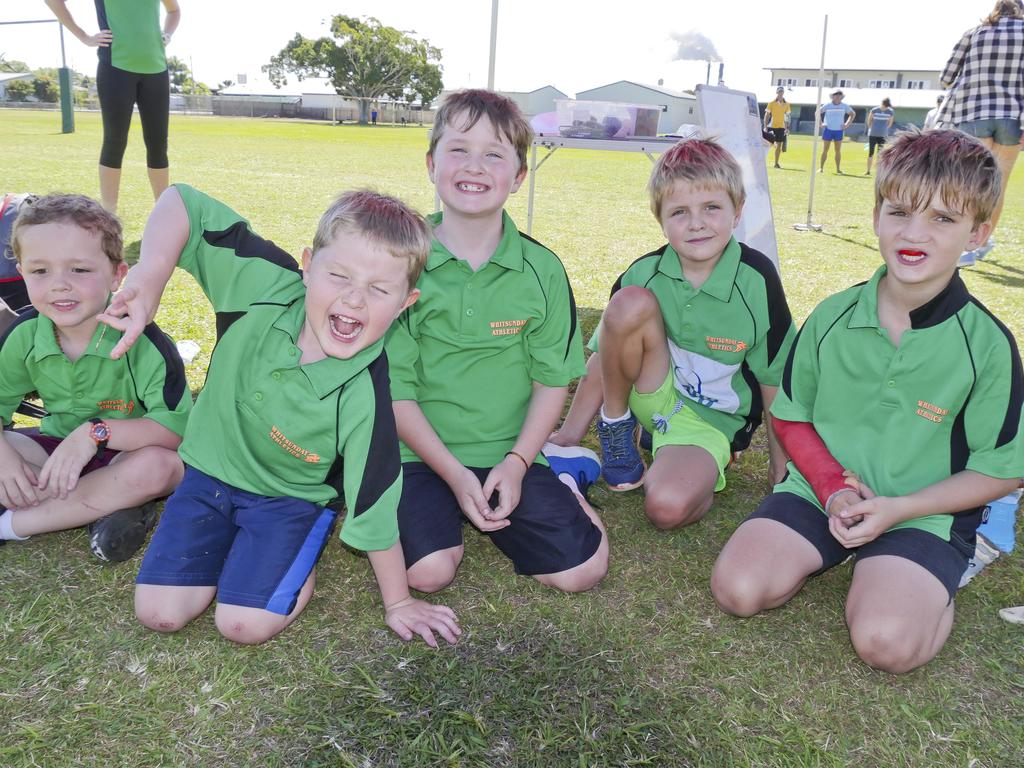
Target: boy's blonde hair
[
  {"x": 915, "y": 166},
  {"x": 383, "y": 220},
  {"x": 472, "y": 104},
  {"x": 82, "y": 211},
  {"x": 704, "y": 163}
]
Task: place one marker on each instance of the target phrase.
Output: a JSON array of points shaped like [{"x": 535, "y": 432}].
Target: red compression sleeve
[{"x": 807, "y": 450}]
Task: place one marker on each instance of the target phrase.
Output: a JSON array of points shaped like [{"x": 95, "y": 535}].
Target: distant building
[
  {"x": 676, "y": 107},
  {"x": 537, "y": 101},
  {"x": 6, "y": 78},
  {"x": 882, "y": 79}
]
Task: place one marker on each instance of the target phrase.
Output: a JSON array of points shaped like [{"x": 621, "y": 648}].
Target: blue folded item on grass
[{"x": 998, "y": 527}]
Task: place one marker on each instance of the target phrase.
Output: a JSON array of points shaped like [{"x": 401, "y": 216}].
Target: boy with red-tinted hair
[
  {"x": 691, "y": 344},
  {"x": 900, "y": 407}
]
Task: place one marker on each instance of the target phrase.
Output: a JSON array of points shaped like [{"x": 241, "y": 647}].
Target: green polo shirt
[
  {"x": 147, "y": 382},
  {"x": 265, "y": 423},
  {"x": 726, "y": 338},
  {"x": 470, "y": 349},
  {"x": 948, "y": 398},
  {"x": 138, "y": 45}
]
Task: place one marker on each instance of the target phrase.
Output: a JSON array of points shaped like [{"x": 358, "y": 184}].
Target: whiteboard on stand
[{"x": 733, "y": 119}]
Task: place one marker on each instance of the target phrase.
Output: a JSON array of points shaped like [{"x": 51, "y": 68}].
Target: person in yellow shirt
[{"x": 776, "y": 120}]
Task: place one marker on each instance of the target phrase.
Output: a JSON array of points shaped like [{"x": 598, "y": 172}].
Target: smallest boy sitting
[
  {"x": 107, "y": 448},
  {"x": 691, "y": 344},
  {"x": 901, "y": 409},
  {"x": 294, "y": 420}
]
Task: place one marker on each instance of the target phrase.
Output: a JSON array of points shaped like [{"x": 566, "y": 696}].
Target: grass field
[{"x": 642, "y": 670}]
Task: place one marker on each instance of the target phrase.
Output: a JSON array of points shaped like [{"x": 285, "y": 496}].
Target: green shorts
[{"x": 683, "y": 427}]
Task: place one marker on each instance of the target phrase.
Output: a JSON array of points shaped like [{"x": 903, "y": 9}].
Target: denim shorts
[{"x": 1003, "y": 130}]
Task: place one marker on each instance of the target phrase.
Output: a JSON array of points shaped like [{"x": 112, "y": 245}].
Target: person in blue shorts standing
[{"x": 835, "y": 118}]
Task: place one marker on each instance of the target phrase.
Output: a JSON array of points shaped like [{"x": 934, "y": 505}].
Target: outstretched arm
[{"x": 135, "y": 305}]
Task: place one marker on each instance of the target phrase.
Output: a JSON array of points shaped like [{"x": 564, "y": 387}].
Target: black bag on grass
[{"x": 12, "y": 287}]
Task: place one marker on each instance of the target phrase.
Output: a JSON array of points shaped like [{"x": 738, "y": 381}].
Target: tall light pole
[{"x": 494, "y": 44}]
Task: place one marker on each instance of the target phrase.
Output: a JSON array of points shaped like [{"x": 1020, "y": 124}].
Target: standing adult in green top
[{"x": 132, "y": 70}]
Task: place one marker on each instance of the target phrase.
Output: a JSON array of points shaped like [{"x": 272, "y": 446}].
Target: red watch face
[{"x": 100, "y": 432}]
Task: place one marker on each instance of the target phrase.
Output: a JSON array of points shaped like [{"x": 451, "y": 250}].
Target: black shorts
[
  {"x": 549, "y": 531},
  {"x": 873, "y": 142},
  {"x": 940, "y": 558},
  {"x": 778, "y": 135}
]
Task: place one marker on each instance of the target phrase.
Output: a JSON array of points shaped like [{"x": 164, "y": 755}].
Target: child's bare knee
[
  {"x": 629, "y": 307},
  {"x": 885, "y": 646},
  {"x": 666, "y": 509},
  {"x": 737, "y": 593},
  {"x": 434, "y": 572},
  {"x": 244, "y": 632},
  {"x": 160, "y": 620}
]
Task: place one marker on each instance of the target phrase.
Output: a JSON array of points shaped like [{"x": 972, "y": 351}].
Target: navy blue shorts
[
  {"x": 940, "y": 558},
  {"x": 549, "y": 531},
  {"x": 257, "y": 550}
]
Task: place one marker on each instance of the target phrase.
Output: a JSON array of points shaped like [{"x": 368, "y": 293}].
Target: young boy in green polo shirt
[
  {"x": 691, "y": 345},
  {"x": 106, "y": 449},
  {"x": 295, "y": 417},
  {"x": 901, "y": 409},
  {"x": 480, "y": 368}
]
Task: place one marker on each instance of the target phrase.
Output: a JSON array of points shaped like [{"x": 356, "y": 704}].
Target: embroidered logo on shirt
[
  {"x": 295, "y": 450},
  {"x": 506, "y": 327},
  {"x": 117, "y": 405},
  {"x": 723, "y": 344},
  {"x": 931, "y": 412}
]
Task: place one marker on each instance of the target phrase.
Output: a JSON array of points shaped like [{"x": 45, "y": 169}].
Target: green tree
[
  {"x": 181, "y": 78},
  {"x": 12, "y": 65},
  {"x": 46, "y": 89},
  {"x": 19, "y": 90},
  {"x": 365, "y": 60}
]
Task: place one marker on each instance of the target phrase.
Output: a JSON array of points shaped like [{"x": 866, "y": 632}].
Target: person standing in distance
[
  {"x": 132, "y": 70},
  {"x": 835, "y": 118},
  {"x": 776, "y": 120}
]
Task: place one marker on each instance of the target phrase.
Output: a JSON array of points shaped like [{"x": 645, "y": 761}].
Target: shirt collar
[
  {"x": 943, "y": 306},
  {"x": 327, "y": 375},
  {"x": 508, "y": 254},
  {"x": 100, "y": 345},
  {"x": 722, "y": 278}
]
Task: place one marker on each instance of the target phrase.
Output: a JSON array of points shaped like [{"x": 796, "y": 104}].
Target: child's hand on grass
[
  {"x": 411, "y": 617},
  {"x": 506, "y": 479},
  {"x": 62, "y": 469},
  {"x": 470, "y": 495}
]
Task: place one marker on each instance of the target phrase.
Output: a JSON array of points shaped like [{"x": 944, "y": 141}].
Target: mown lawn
[{"x": 643, "y": 670}]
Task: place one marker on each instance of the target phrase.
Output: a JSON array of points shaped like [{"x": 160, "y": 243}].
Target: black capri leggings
[{"x": 119, "y": 90}]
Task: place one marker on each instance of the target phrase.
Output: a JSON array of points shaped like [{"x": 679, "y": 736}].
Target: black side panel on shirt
[
  {"x": 652, "y": 255},
  {"x": 25, "y": 316},
  {"x": 101, "y": 20},
  {"x": 174, "y": 375},
  {"x": 383, "y": 461},
  {"x": 247, "y": 245},
  {"x": 1011, "y": 422},
  {"x": 224, "y": 321},
  {"x": 779, "y": 317}
]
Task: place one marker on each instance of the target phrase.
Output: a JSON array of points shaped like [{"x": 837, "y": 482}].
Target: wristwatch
[
  {"x": 166, "y": 37},
  {"x": 100, "y": 434}
]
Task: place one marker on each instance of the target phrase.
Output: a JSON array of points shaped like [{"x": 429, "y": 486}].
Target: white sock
[
  {"x": 7, "y": 528},
  {"x": 607, "y": 420}
]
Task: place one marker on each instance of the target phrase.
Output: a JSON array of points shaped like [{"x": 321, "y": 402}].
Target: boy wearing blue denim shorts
[{"x": 691, "y": 345}]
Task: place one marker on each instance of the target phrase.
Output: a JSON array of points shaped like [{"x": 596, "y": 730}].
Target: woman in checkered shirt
[{"x": 984, "y": 75}]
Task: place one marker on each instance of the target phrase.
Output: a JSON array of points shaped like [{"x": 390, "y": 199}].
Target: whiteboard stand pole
[{"x": 809, "y": 225}]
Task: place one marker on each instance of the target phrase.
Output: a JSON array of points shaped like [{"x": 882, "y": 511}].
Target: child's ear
[
  {"x": 119, "y": 272},
  {"x": 414, "y": 294},
  {"x": 519, "y": 179},
  {"x": 739, "y": 215},
  {"x": 307, "y": 261},
  {"x": 979, "y": 235},
  {"x": 874, "y": 218},
  {"x": 430, "y": 167}
]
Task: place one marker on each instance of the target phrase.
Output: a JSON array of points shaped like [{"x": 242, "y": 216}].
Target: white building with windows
[{"x": 893, "y": 79}]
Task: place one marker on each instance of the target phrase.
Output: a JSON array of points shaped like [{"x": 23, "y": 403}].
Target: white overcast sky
[{"x": 570, "y": 45}]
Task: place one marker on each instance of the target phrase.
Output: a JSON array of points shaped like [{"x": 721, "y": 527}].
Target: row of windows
[{"x": 844, "y": 83}]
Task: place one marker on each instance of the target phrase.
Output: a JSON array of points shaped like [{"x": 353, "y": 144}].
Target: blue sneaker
[
  {"x": 967, "y": 258},
  {"x": 984, "y": 250},
  {"x": 581, "y": 464},
  {"x": 623, "y": 468},
  {"x": 646, "y": 440}
]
